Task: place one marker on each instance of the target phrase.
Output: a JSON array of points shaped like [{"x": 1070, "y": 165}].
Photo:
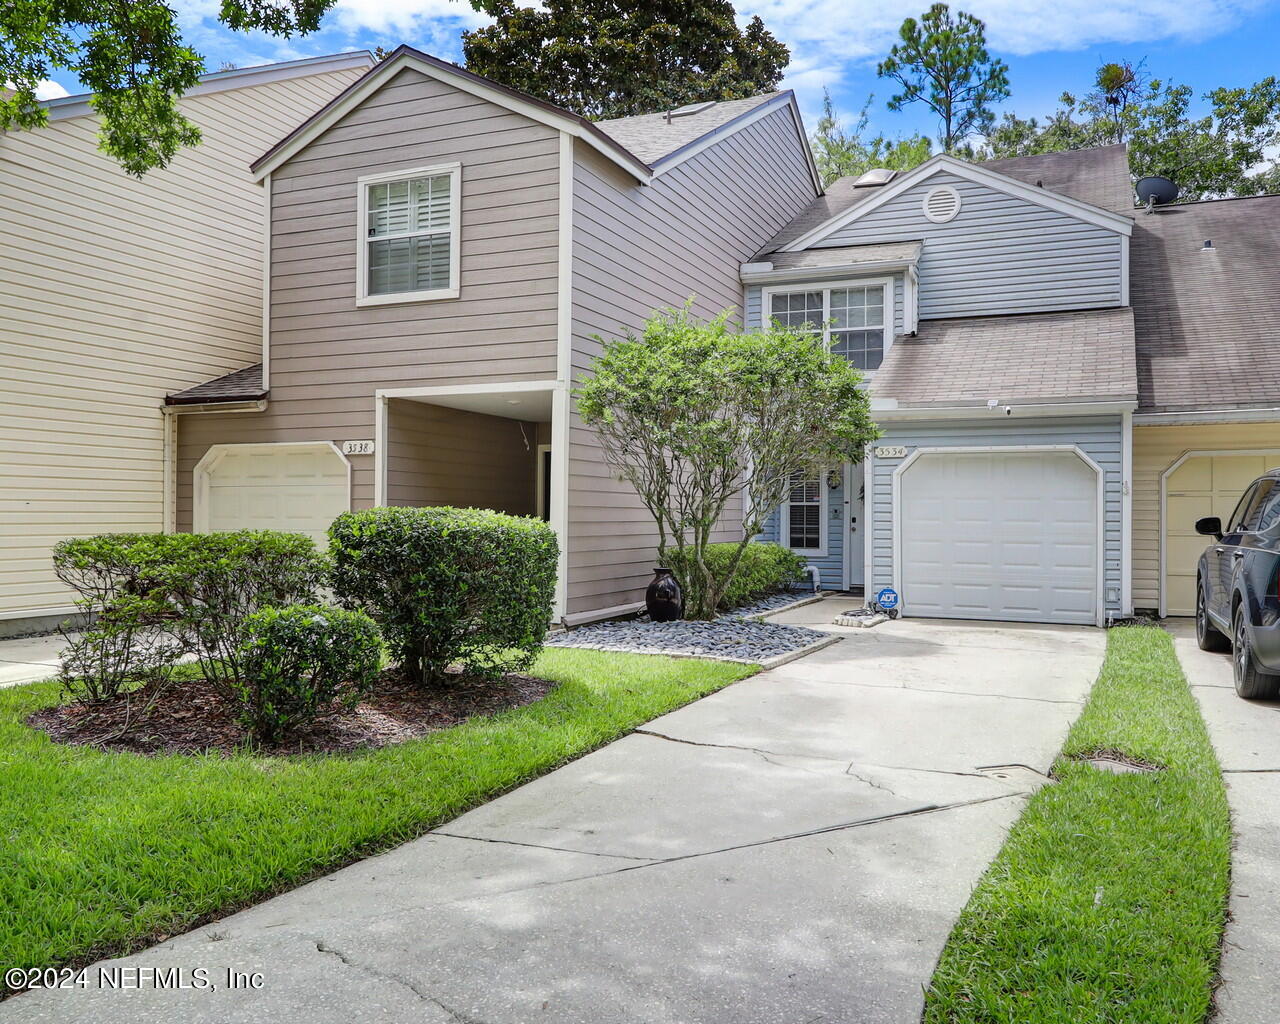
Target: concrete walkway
[
  {"x": 1246, "y": 735},
  {"x": 791, "y": 850},
  {"x": 28, "y": 659}
]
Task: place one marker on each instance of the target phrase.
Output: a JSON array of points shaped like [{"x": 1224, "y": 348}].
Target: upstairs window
[
  {"x": 851, "y": 318},
  {"x": 408, "y": 236}
]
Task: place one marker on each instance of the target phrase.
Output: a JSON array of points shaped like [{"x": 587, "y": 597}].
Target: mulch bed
[{"x": 190, "y": 717}]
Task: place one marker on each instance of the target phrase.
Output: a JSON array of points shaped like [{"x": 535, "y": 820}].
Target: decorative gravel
[
  {"x": 727, "y": 637},
  {"x": 770, "y": 604}
]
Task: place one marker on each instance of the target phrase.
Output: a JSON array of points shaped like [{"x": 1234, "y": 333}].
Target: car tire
[
  {"x": 1251, "y": 684},
  {"x": 1208, "y": 636}
]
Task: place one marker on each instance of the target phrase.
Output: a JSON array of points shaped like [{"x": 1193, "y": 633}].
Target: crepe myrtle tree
[{"x": 694, "y": 414}]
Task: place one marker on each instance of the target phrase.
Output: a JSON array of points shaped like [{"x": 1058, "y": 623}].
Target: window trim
[
  {"x": 826, "y": 287},
  {"x": 363, "y": 298},
  {"x": 824, "y": 514}
]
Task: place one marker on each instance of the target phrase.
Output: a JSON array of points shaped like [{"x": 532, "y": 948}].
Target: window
[
  {"x": 850, "y": 317},
  {"x": 803, "y": 523},
  {"x": 1251, "y": 521},
  {"x": 1270, "y": 514},
  {"x": 408, "y": 236},
  {"x": 1236, "y": 523}
]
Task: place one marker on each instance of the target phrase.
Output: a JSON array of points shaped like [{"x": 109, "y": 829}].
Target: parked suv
[{"x": 1238, "y": 588}]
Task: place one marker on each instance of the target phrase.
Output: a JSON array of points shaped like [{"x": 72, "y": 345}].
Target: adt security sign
[{"x": 887, "y": 599}]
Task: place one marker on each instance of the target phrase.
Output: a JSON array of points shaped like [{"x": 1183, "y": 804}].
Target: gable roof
[
  {"x": 1075, "y": 356},
  {"x": 1098, "y": 178},
  {"x": 1208, "y": 320},
  {"x": 639, "y": 145}
]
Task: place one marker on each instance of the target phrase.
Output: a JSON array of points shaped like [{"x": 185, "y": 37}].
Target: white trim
[
  {"x": 363, "y": 298},
  {"x": 251, "y": 405},
  {"x": 824, "y": 515},
  {"x": 911, "y": 301},
  {"x": 970, "y": 172},
  {"x": 464, "y": 82},
  {"x": 887, "y": 409},
  {"x": 826, "y": 287},
  {"x": 941, "y": 190},
  {"x": 1100, "y": 509},
  {"x": 169, "y": 472},
  {"x": 1155, "y": 419},
  {"x": 1124, "y": 270},
  {"x": 564, "y": 262},
  {"x": 1174, "y": 466},
  {"x": 215, "y": 454},
  {"x": 379, "y": 450},
  {"x": 868, "y": 547},
  {"x": 1126, "y": 514},
  {"x": 764, "y": 277},
  {"x": 266, "y": 283},
  {"x": 560, "y": 412},
  {"x": 453, "y": 390}
]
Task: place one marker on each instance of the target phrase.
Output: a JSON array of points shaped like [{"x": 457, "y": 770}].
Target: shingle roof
[
  {"x": 652, "y": 137},
  {"x": 847, "y": 255},
  {"x": 1208, "y": 321},
  {"x": 240, "y": 386},
  {"x": 1033, "y": 357}
]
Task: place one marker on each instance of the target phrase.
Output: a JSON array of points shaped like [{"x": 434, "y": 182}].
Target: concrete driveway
[
  {"x": 1246, "y": 735},
  {"x": 791, "y": 850}
]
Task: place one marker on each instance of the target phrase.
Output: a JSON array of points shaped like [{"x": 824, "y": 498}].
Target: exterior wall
[
  {"x": 1155, "y": 449},
  {"x": 439, "y": 456},
  {"x": 999, "y": 255},
  {"x": 114, "y": 292},
  {"x": 1099, "y": 438},
  {"x": 640, "y": 249},
  {"x": 328, "y": 356},
  {"x": 834, "y": 514}
]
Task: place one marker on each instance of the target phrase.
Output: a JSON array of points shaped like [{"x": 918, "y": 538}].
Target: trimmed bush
[
  {"x": 449, "y": 585},
  {"x": 299, "y": 660},
  {"x": 763, "y": 569}
]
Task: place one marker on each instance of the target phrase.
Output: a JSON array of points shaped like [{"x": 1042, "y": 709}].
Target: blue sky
[{"x": 835, "y": 43}]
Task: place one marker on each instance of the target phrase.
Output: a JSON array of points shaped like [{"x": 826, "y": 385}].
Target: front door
[{"x": 854, "y": 525}]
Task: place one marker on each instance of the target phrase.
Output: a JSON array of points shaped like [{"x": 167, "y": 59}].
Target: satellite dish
[{"x": 1156, "y": 191}]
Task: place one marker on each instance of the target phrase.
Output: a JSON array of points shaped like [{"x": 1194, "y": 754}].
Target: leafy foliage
[
  {"x": 298, "y": 660},
  {"x": 449, "y": 585},
  {"x": 762, "y": 569},
  {"x": 1230, "y": 151},
  {"x": 840, "y": 153},
  {"x": 601, "y": 59},
  {"x": 693, "y": 414},
  {"x": 132, "y": 57},
  {"x": 942, "y": 62}
]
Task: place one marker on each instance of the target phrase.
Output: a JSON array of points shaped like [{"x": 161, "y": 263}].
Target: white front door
[
  {"x": 999, "y": 535},
  {"x": 854, "y": 525}
]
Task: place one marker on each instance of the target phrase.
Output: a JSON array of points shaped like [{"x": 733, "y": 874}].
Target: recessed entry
[{"x": 941, "y": 204}]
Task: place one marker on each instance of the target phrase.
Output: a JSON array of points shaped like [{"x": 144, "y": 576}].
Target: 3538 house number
[{"x": 357, "y": 447}]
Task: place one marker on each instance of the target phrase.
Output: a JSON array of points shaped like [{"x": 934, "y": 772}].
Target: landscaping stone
[{"x": 730, "y": 636}]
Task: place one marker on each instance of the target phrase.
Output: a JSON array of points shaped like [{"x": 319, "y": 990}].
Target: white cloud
[
  {"x": 418, "y": 21},
  {"x": 50, "y": 90}
]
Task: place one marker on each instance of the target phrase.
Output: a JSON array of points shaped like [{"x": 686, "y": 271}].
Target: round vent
[{"x": 941, "y": 204}]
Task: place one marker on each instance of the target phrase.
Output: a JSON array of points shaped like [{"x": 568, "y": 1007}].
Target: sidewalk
[{"x": 29, "y": 659}]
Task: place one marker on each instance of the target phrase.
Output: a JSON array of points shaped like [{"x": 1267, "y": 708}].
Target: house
[
  {"x": 1064, "y": 383},
  {"x": 444, "y": 255},
  {"x": 115, "y": 292}
]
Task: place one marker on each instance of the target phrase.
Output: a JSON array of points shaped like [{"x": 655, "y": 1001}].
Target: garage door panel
[{"x": 1020, "y": 542}]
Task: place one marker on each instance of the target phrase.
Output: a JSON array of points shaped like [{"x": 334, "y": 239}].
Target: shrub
[
  {"x": 449, "y": 585},
  {"x": 300, "y": 659},
  {"x": 762, "y": 569}
]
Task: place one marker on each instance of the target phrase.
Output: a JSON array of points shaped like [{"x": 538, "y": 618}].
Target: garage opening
[{"x": 1009, "y": 536}]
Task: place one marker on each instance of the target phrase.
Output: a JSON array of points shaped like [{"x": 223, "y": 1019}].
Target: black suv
[{"x": 1238, "y": 588}]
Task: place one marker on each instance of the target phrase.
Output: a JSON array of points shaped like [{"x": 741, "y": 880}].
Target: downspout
[{"x": 816, "y": 574}]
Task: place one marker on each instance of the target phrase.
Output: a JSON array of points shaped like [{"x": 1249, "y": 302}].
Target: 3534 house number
[
  {"x": 891, "y": 451},
  {"x": 357, "y": 447}
]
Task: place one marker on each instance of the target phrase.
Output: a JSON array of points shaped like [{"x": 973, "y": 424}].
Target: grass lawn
[
  {"x": 104, "y": 853},
  {"x": 1108, "y": 900}
]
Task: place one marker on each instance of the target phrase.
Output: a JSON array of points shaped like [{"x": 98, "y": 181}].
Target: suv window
[
  {"x": 1236, "y": 523},
  {"x": 1270, "y": 514},
  {"x": 1248, "y": 514}
]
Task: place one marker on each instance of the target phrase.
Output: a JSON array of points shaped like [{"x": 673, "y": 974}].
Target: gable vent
[{"x": 941, "y": 204}]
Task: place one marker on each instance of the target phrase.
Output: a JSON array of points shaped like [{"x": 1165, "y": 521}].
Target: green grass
[
  {"x": 1108, "y": 900},
  {"x": 104, "y": 853}
]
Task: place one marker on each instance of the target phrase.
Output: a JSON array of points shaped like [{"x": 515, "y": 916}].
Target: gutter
[
  {"x": 763, "y": 273},
  {"x": 1262, "y": 415},
  {"x": 1015, "y": 410}
]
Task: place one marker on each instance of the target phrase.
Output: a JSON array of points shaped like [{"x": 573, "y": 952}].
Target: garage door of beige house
[
  {"x": 300, "y": 487},
  {"x": 1197, "y": 485}
]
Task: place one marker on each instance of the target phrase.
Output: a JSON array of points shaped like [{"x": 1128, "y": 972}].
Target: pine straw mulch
[{"x": 189, "y": 716}]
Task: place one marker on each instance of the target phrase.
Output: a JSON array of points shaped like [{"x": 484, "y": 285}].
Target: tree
[
  {"x": 131, "y": 56},
  {"x": 942, "y": 62},
  {"x": 601, "y": 59},
  {"x": 840, "y": 153},
  {"x": 693, "y": 414},
  {"x": 1230, "y": 151}
]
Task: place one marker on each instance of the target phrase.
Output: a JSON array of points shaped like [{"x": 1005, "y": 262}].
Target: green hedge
[
  {"x": 764, "y": 568},
  {"x": 449, "y": 585}
]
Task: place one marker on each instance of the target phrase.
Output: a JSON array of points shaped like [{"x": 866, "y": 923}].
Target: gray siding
[
  {"x": 640, "y": 249},
  {"x": 1099, "y": 438},
  {"x": 999, "y": 255}
]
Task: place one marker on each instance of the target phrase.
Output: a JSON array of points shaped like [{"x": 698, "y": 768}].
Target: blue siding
[
  {"x": 831, "y": 565},
  {"x": 1099, "y": 438}
]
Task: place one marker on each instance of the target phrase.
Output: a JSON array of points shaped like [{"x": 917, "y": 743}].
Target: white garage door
[
  {"x": 300, "y": 488},
  {"x": 1006, "y": 536}
]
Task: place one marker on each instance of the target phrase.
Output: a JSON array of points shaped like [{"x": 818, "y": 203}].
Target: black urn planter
[{"x": 663, "y": 598}]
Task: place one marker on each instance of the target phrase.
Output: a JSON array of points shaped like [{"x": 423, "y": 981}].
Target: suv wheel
[
  {"x": 1250, "y": 683},
  {"x": 1207, "y": 634}
]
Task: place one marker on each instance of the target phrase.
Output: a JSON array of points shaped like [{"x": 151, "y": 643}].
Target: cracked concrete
[
  {"x": 794, "y": 848},
  {"x": 1246, "y": 736}
]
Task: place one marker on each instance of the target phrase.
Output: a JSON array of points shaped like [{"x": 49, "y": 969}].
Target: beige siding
[
  {"x": 439, "y": 456},
  {"x": 114, "y": 292},
  {"x": 328, "y": 356},
  {"x": 1155, "y": 449},
  {"x": 640, "y": 249}
]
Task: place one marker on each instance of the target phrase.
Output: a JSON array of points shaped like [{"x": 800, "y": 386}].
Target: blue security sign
[{"x": 887, "y": 598}]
